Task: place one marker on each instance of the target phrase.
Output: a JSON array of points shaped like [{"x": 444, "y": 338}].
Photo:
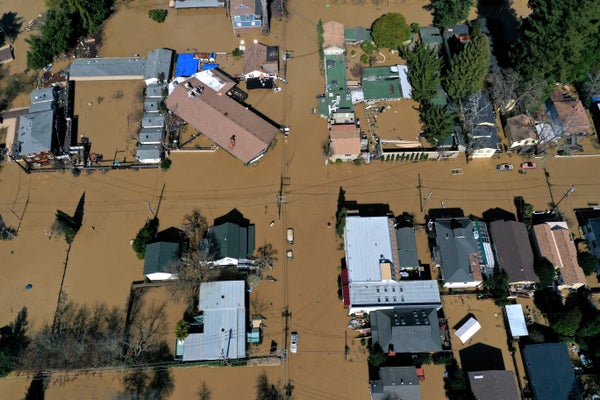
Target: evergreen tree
[
  {"x": 447, "y": 13},
  {"x": 390, "y": 31},
  {"x": 437, "y": 122},
  {"x": 558, "y": 41},
  {"x": 468, "y": 69},
  {"x": 423, "y": 72}
]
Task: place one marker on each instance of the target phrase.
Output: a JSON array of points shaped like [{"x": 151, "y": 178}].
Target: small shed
[
  {"x": 467, "y": 330},
  {"x": 516, "y": 320}
]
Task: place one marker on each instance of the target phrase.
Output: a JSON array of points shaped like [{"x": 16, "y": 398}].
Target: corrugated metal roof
[
  {"x": 221, "y": 295},
  {"x": 199, "y": 3},
  {"x": 516, "y": 320},
  {"x": 82, "y": 68},
  {"x": 367, "y": 241},
  {"x": 381, "y": 295},
  {"x": 159, "y": 62}
]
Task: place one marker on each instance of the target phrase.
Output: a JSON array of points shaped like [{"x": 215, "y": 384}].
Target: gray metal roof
[
  {"x": 82, "y": 68},
  {"x": 199, "y": 3},
  {"x": 151, "y": 135},
  {"x": 224, "y": 329},
  {"x": 151, "y": 105},
  {"x": 516, "y": 320},
  {"x": 35, "y": 132},
  {"x": 159, "y": 256},
  {"x": 156, "y": 90},
  {"x": 408, "y": 256},
  {"x": 149, "y": 152},
  {"x": 404, "y": 330},
  {"x": 494, "y": 385},
  {"x": 402, "y": 381},
  {"x": 513, "y": 250},
  {"x": 44, "y": 95},
  {"x": 159, "y": 62},
  {"x": 153, "y": 120},
  {"x": 381, "y": 295},
  {"x": 367, "y": 241},
  {"x": 550, "y": 372}
]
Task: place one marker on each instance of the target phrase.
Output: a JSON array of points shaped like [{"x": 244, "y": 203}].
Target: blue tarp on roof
[
  {"x": 209, "y": 66},
  {"x": 186, "y": 65}
]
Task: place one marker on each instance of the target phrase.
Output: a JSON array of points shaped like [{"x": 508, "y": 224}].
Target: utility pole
[
  {"x": 567, "y": 194},
  {"x": 281, "y": 198},
  {"x": 420, "y": 194},
  {"x": 160, "y": 198},
  {"x": 287, "y": 315}
]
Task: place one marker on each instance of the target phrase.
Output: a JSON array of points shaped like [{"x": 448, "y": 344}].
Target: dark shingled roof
[
  {"x": 550, "y": 371},
  {"x": 513, "y": 250},
  {"x": 494, "y": 385},
  {"x": 406, "y": 330}
]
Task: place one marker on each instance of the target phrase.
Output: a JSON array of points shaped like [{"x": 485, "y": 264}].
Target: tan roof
[
  {"x": 229, "y": 124},
  {"x": 333, "y": 35},
  {"x": 521, "y": 127},
  {"x": 571, "y": 112},
  {"x": 345, "y": 139},
  {"x": 555, "y": 244},
  {"x": 242, "y": 7},
  {"x": 255, "y": 59}
]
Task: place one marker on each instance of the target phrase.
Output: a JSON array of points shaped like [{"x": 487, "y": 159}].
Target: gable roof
[
  {"x": 235, "y": 128},
  {"x": 408, "y": 256},
  {"x": 244, "y": 7},
  {"x": 571, "y": 112},
  {"x": 458, "y": 249},
  {"x": 513, "y": 251},
  {"x": 158, "y": 63},
  {"x": 151, "y": 135},
  {"x": 402, "y": 381},
  {"x": 260, "y": 57},
  {"x": 521, "y": 127},
  {"x": 199, "y": 3},
  {"x": 333, "y": 35},
  {"x": 555, "y": 244},
  {"x": 406, "y": 330},
  {"x": 494, "y": 385},
  {"x": 555, "y": 383},
  {"x": 345, "y": 139},
  {"x": 233, "y": 241},
  {"x": 159, "y": 256},
  {"x": 107, "y": 68},
  {"x": 6, "y": 54},
  {"x": 35, "y": 132}
]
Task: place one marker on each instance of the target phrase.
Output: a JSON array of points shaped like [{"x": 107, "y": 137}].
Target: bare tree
[
  {"x": 195, "y": 227},
  {"x": 147, "y": 324},
  {"x": 591, "y": 86},
  {"x": 265, "y": 257},
  {"x": 265, "y": 390},
  {"x": 511, "y": 92}
]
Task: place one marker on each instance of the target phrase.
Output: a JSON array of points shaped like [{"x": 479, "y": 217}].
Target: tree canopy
[
  {"x": 469, "y": 68},
  {"x": 424, "y": 72},
  {"x": 390, "y": 30},
  {"x": 588, "y": 262},
  {"x": 558, "y": 41},
  {"x": 437, "y": 122},
  {"x": 545, "y": 271},
  {"x": 447, "y": 13}
]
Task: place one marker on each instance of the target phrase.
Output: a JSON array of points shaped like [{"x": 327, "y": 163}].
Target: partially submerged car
[
  {"x": 528, "y": 165},
  {"x": 294, "y": 342},
  {"x": 289, "y": 254},
  {"x": 290, "y": 235},
  {"x": 504, "y": 167}
]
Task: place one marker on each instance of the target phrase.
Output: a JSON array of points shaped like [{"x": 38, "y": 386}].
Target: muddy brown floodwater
[{"x": 102, "y": 265}]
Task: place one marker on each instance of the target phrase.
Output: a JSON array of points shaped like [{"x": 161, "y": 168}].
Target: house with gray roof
[
  {"x": 357, "y": 35},
  {"x": 156, "y": 91},
  {"x": 589, "y": 222},
  {"x": 232, "y": 244},
  {"x": 149, "y": 153},
  {"x": 406, "y": 330},
  {"x": 408, "y": 257},
  {"x": 514, "y": 254},
  {"x": 494, "y": 385},
  {"x": 151, "y": 135},
  {"x": 431, "y": 36},
  {"x": 153, "y": 120},
  {"x": 373, "y": 278},
  {"x": 485, "y": 141},
  {"x": 159, "y": 64},
  {"x": 220, "y": 329},
  {"x": 117, "y": 68},
  {"x": 463, "y": 251},
  {"x": 402, "y": 382},
  {"x": 550, "y": 372},
  {"x": 37, "y": 131},
  {"x": 151, "y": 105},
  {"x": 179, "y": 4}
]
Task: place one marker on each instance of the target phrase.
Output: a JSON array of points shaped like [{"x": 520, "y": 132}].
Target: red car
[{"x": 528, "y": 165}]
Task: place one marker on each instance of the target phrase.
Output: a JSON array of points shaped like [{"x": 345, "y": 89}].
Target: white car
[
  {"x": 294, "y": 342},
  {"x": 504, "y": 167}
]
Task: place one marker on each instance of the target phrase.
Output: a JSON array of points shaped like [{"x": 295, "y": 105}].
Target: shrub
[
  {"x": 158, "y": 15},
  {"x": 364, "y": 59},
  {"x": 143, "y": 237},
  {"x": 237, "y": 52},
  {"x": 367, "y": 47},
  {"x": 165, "y": 164},
  {"x": 182, "y": 329}
]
